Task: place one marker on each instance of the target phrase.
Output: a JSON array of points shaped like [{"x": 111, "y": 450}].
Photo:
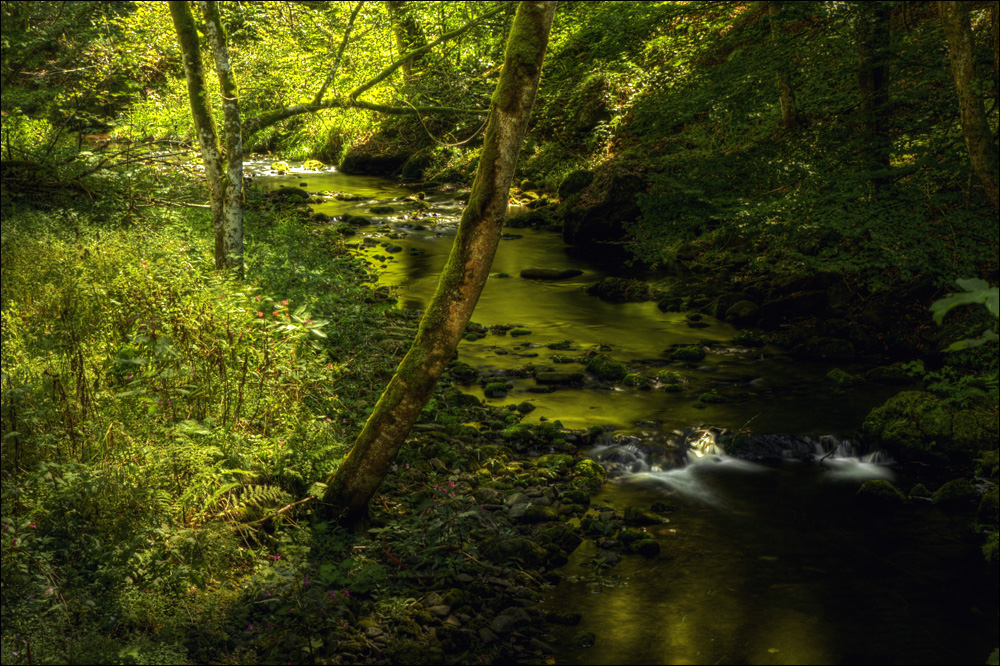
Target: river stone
[
  {"x": 549, "y": 273},
  {"x": 556, "y": 377},
  {"x": 646, "y": 547},
  {"x": 503, "y": 624},
  {"x": 517, "y": 498},
  {"x": 607, "y": 368},
  {"x": 742, "y": 312},
  {"x": 486, "y": 636},
  {"x": 440, "y": 610}
]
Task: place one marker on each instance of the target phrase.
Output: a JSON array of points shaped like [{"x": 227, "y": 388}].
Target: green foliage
[{"x": 160, "y": 420}]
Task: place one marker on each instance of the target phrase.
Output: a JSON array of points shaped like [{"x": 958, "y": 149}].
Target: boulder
[
  {"x": 742, "y": 312},
  {"x": 574, "y": 182},
  {"x": 620, "y": 290},
  {"x": 599, "y": 212}
]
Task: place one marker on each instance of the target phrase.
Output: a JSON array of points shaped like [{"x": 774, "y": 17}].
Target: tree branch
[
  {"x": 387, "y": 72},
  {"x": 268, "y": 118},
  {"x": 340, "y": 54}
]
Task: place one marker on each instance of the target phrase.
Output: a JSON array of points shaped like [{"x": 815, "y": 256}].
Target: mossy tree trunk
[
  {"x": 409, "y": 35},
  {"x": 873, "y": 83},
  {"x": 978, "y": 138},
  {"x": 786, "y": 94},
  {"x": 223, "y": 169},
  {"x": 463, "y": 277}
]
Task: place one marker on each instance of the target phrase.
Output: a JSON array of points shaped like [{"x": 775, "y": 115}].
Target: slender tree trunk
[
  {"x": 978, "y": 137},
  {"x": 408, "y": 34},
  {"x": 873, "y": 82},
  {"x": 228, "y": 229},
  {"x": 786, "y": 94},
  {"x": 463, "y": 277},
  {"x": 224, "y": 171}
]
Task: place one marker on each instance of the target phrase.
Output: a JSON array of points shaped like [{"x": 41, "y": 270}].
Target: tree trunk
[
  {"x": 873, "y": 82},
  {"x": 408, "y": 34},
  {"x": 978, "y": 137},
  {"x": 462, "y": 278},
  {"x": 226, "y": 199},
  {"x": 228, "y": 229},
  {"x": 786, "y": 94}
]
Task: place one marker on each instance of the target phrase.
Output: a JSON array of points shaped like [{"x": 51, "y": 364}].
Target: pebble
[{"x": 440, "y": 610}]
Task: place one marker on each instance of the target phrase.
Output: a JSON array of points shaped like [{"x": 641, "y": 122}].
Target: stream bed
[{"x": 760, "y": 563}]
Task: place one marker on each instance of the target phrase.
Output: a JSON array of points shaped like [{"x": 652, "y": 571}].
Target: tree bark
[
  {"x": 224, "y": 171},
  {"x": 873, "y": 82},
  {"x": 462, "y": 279},
  {"x": 786, "y": 94},
  {"x": 408, "y": 34},
  {"x": 975, "y": 128},
  {"x": 228, "y": 229}
]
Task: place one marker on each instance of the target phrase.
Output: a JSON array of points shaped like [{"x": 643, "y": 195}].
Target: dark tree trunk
[
  {"x": 786, "y": 94},
  {"x": 976, "y": 130},
  {"x": 873, "y": 82},
  {"x": 463, "y": 277}
]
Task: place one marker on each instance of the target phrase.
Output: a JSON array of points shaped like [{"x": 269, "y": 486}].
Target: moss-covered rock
[
  {"x": 416, "y": 652},
  {"x": 496, "y": 389},
  {"x": 591, "y": 473},
  {"x": 635, "y": 380},
  {"x": 620, "y": 290},
  {"x": 747, "y": 338},
  {"x": 573, "y": 496},
  {"x": 562, "y": 536},
  {"x": 690, "y": 353},
  {"x": 513, "y": 548},
  {"x": 574, "y": 182},
  {"x": 555, "y": 377},
  {"x": 975, "y": 430},
  {"x": 989, "y": 508},
  {"x": 988, "y": 464},
  {"x": 561, "y": 462},
  {"x": 841, "y": 377},
  {"x": 668, "y": 377},
  {"x": 956, "y": 494},
  {"x": 636, "y": 516},
  {"x": 911, "y": 425},
  {"x": 606, "y": 368},
  {"x": 878, "y": 493},
  {"x": 646, "y": 547},
  {"x": 519, "y": 435},
  {"x": 584, "y": 639}
]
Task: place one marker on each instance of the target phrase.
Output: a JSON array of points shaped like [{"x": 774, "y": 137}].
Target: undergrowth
[{"x": 161, "y": 424}]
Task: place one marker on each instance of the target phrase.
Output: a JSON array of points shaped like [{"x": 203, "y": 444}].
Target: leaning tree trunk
[
  {"x": 462, "y": 278},
  {"x": 978, "y": 137},
  {"x": 226, "y": 201}
]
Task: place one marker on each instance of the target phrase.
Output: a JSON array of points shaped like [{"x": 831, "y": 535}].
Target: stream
[{"x": 761, "y": 562}]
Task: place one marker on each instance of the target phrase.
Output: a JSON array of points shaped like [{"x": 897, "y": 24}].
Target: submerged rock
[
  {"x": 606, "y": 368},
  {"x": 549, "y": 273},
  {"x": 620, "y": 290},
  {"x": 876, "y": 493}
]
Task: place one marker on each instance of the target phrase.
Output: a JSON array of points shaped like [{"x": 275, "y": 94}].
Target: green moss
[
  {"x": 956, "y": 494},
  {"x": 513, "y": 548},
  {"x": 989, "y": 508},
  {"x": 519, "y": 434},
  {"x": 495, "y": 389},
  {"x": 691, "y": 353},
  {"x": 747, "y": 338},
  {"x": 635, "y": 380},
  {"x": 607, "y": 368},
  {"x": 591, "y": 474},
  {"x": 841, "y": 377},
  {"x": 646, "y": 547},
  {"x": 879, "y": 493},
  {"x": 975, "y": 429},
  {"x": 712, "y": 397},
  {"x": 668, "y": 377},
  {"x": 911, "y": 424},
  {"x": 519, "y": 331},
  {"x": 573, "y": 496},
  {"x": 988, "y": 465},
  {"x": 673, "y": 388}
]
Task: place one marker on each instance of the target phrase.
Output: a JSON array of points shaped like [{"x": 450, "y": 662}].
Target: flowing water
[{"x": 761, "y": 563}]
